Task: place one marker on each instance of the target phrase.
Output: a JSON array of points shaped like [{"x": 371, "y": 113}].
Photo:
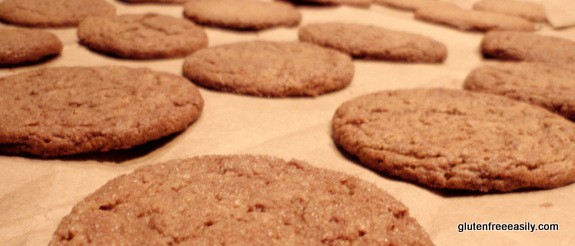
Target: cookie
[
  {"x": 156, "y": 1},
  {"x": 69, "y": 110},
  {"x": 455, "y": 139},
  {"x": 20, "y": 46},
  {"x": 411, "y": 5},
  {"x": 527, "y": 10},
  {"x": 53, "y": 13},
  {"x": 246, "y": 14},
  {"x": 471, "y": 20},
  {"x": 364, "y": 41},
  {"x": 270, "y": 69},
  {"x": 238, "y": 200},
  {"x": 520, "y": 46},
  {"x": 142, "y": 36},
  {"x": 548, "y": 85}
]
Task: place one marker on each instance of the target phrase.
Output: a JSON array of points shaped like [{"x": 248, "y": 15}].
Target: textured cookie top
[
  {"x": 521, "y": 46},
  {"x": 246, "y": 14},
  {"x": 458, "y": 140},
  {"x": 53, "y": 13},
  {"x": 270, "y": 69},
  {"x": 18, "y": 45},
  {"x": 374, "y": 42},
  {"x": 238, "y": 200},
  {"x": 471, "y": 20},
  {"x": 547, "y": 85},
  {"x": 70, "y": 110},
  {"x": 408, "y": 4},
  {"x": 527, "y": 10},
  {"x": 142, "y": 36}
]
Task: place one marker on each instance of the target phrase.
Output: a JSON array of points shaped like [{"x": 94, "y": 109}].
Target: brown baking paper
[{"x": 36, "y": 193}]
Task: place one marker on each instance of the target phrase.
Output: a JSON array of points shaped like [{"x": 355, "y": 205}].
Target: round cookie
[
  {"x": 20, "y": 46},
  {"x": 142, "y": 36},
  {"x": 528, "y": 10},
  {"x": 156, "y": 1},
  {"x": 70, "y": 110},
  {"x": 363, "y": 41},
  {"x": 456, "y": 139},
  {"x": 521, "y": 46},
  {"x": 270, "y": 69},
  {"x": 243, "y": 15},
  {"x": 238, "y": 200},
  {"x": 471, "y": 20},
  {"x": 53, "y": 13},
  {"x": 548, "y": 85}
]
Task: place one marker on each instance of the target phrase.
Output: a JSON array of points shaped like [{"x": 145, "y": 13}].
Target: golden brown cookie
[
  {"x": 20, "y": 46},
  {"x": 238, "y": 200},
  {"x": 142, "y": 36},
  {"x": 52, "y": 13},
  {"x": 70, "y": 110},
  {"x": 471, "y": 20},
  {"x": 270, "y": 69},
  {"x": 455, "y": 139},
  {"x": 245, "y": 14},
  {"x": 521, "y": 46},
  {"x": 364, "y": 41},
  {"x": 551, "y": 86},
  {"x": 524, "y": 9}
]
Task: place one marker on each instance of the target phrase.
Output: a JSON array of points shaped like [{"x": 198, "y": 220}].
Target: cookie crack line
[{"x": 152, "y": 27}]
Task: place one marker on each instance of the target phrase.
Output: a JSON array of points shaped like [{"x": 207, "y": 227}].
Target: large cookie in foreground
[
  {"x": 53, "y": 13},
  {"x": 456, "y": 139},
  {"x": 548, "y": 85},
  {"x": 20, "y": 46},
  {"x": 238, "y": 200},
  {"x": 71, "y": 110},
  {"x": 363, "y": 41},
  {"x": 521, "y": 46},
  {"x": 270, "y": 69},
  {"x": 142, "y": 36},
  {"x": 243, "y": 15}
]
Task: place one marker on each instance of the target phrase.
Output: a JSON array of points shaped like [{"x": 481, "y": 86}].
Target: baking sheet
[{"x": 36, "y": 193}]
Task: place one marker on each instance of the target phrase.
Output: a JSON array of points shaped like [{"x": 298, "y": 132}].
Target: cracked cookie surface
[
  {"x": 270, "y": 69},
  {"x": 239, "y": 200},
  {"x": 364, "y": 41},
  {"x": 547, "y": 85},
  {"x": 53, "y": 13},
  {"x": 70, "y": 110},
  {"x": 456, "y": 139},
  {"x": 142, "y": 36}
]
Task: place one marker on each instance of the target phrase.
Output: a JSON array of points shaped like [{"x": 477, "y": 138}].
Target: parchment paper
[{"x": 36, "y": 193}]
